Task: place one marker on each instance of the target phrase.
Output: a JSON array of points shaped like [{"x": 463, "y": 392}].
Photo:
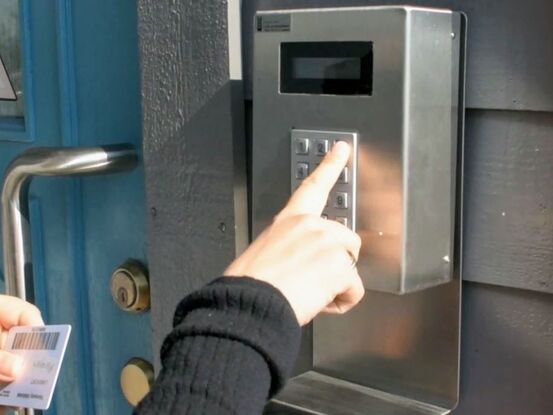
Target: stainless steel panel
[
  {"x": 326, "y": 395},
  {"x": 407, "y": 131},
  {"x": 399, "y": 345},
  {"x": 406, "y": 345}
]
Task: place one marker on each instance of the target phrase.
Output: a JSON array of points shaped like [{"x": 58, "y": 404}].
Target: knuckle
[
  {"x": 284, "y": 216},
  {"x": 329, "y": 237},
  {"x": 323, "y": 240},
  {"x": 357, "y": 240},
  {"x": 343, "y": 309},
  {"x": 32, "y": 310},
  {"x": 299, "y": 222},
  {"x": 36, "y": 310},
  {"x": 309, "y": 222},
  {"x": 358, "y": 287}
]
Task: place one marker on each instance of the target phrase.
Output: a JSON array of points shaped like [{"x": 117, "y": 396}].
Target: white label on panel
[{"x": 6, "y": 88}]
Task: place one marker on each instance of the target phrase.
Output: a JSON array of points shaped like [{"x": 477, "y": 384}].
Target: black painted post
[{"x": 193, "y": 149}]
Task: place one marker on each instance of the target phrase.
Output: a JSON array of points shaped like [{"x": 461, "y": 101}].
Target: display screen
[
  {"x": 327, "y": 68},
  {"x": 335, "y": 68}
]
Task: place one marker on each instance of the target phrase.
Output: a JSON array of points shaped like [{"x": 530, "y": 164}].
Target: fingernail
[
  {"x": 341, "y": 148},
  {"x": 14, "y": 366}
]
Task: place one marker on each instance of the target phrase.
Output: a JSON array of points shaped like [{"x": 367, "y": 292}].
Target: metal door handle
[{"x": 60, "y": 161}]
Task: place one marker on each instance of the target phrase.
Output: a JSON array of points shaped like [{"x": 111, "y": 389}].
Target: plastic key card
[{"x": 42, "y": 350}]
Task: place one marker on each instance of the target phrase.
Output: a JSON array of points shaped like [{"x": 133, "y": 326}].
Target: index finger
[
  {"x": 16, "y": 312},
  {"x": 311, "y": 196}
]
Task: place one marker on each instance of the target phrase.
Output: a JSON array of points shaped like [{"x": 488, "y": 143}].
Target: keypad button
[
  {"x": 341, "y": 200},
  {"x": 302, "y": 171},
  {"x": 344, "y": 176},
  {"x": 342, "y": 220},
  {"x": 321, "y": 147},
  {"x": 302, "y": 146}
]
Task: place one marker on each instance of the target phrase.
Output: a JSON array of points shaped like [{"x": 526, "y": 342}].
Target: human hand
[
  {"x": 13, "y": 312},
  {"x": 309, "y": 259}
]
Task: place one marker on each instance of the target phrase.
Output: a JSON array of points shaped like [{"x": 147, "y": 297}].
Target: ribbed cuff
[{"x": 245, "y": 310}]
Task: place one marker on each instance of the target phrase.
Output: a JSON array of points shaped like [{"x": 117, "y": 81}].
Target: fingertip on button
[{"x": 341, "y": 148}]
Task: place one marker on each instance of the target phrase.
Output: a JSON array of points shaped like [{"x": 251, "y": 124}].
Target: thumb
[{"x": 10, "y": 366}]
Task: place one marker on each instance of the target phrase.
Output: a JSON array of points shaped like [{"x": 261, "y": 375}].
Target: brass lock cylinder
[{"x": 130, "y": 287}]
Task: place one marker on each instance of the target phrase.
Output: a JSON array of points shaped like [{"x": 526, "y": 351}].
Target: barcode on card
[{"x": 35, "y": 341}]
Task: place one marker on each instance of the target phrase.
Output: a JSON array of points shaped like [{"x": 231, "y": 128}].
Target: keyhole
[{"x": 123, "y": 296}]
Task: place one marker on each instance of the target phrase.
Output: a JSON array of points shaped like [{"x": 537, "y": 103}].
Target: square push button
[
  {"x": 321, "y": 147},
  {"x": 302, "y": 171},
  {"x": 302, "y": 145},
  {"x": 341, "y": 200},
  {"x": 344, "y": 176}
]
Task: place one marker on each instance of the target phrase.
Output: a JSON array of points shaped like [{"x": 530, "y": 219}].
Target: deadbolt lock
[{"x": 130, "y": 287}]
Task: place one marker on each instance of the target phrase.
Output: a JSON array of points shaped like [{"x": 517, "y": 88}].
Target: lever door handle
[{"x": 46, "y": 161}]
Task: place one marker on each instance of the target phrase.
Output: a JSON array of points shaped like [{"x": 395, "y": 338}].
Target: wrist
[{"x": 244, "y": 310}]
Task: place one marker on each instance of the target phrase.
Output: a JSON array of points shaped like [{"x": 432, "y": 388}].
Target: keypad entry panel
[{"x": 308, "y": 148}]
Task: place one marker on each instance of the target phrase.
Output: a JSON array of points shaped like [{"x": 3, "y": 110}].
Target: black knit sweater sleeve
[{"x": 233, "y": 346}]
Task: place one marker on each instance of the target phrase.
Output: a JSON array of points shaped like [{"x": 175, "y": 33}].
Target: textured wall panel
[
  {"x": 510, "y": 47},
  {"x": 509, "y": 199},
  {"x": 188, "y": 150},
  {"x": 507, "y": 352}
]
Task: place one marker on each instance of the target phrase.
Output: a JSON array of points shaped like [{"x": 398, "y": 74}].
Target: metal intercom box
[{"x": 387, "y": 78}]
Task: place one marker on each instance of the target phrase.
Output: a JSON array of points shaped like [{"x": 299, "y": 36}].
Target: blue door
[{"x": 74, "y": 66}]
